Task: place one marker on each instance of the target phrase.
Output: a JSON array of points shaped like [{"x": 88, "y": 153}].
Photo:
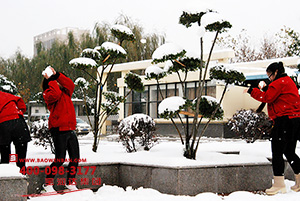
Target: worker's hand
[
  {"x": 245, "y": 91},
  {"x": 262, "y": 84}
]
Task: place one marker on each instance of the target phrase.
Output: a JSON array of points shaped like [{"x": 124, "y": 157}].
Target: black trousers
[
  {"x": 15, "y": 131},
  {"x": 21, "y": 151},
  {"x": 65, "y": 141},
  {"x": 284, "y": 140}
]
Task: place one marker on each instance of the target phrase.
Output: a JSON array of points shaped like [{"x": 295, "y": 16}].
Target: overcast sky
[{"x": 21, "y": 20}]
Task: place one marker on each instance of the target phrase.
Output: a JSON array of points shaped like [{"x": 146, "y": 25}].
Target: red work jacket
[
  {"x": 282, "y": 97},
  {"x": 10, "y": 107},
  {"x": 60, "y": 105}
]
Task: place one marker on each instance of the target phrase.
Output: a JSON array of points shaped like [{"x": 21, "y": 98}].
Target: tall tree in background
[
  {"x": 26, "y": 72},
  {"x": 282, "y": 44}
]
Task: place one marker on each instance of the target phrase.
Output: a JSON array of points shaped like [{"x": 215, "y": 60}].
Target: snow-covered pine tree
[
  {"x": 178, "y": 61},
  {"x": 102, "y": 59}
]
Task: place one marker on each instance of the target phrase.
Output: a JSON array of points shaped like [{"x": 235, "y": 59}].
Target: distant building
[
  {"x": 48, "y": 38},
  {"x": 40, "y": 108}
]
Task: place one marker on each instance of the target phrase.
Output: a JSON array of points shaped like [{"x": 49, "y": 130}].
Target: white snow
[
  {"x": 210, "y": 18},
  {"x": 290, "y": 71},
  {"x": 171, "y": 104},
  {"x": 94, "y": 52},
  {"x": 168, "y": 65},
  {"x": 83, "y": 81},
  {"x": 6, "y": 84},
  {"x": 166, "y": 49},
  {"x": 194, "y": 7},
  {"x": 210, "y": 99},
  {"x": 83, "y": 61},
  {"x": 166, "y": 153},
  {"x": 7, "y": 87},
  {"x": 201, "y": 31},
  {"x": 9, "y": 170},
  {"x": 113, "y": 47},
  {"x": 122, "y": 28},
  {"x": 153, "y": 69},
  {"x": 48, "y": 71}
]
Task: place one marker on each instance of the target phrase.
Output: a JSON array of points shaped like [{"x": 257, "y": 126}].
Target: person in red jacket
[
  {"x": 13, "y": 128},
  {"x": 282, "y": 98},
  {"x": 57, "y": 93}
]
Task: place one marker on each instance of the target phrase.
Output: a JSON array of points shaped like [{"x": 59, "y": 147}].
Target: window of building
[{"x": 147, "y": 102}]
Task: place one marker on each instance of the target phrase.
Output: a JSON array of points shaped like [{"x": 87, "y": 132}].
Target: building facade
[{"x": 48, "y": 38}]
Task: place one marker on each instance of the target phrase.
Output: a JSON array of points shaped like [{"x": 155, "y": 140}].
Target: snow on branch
[
  {"x": 122, "y": 28},
  {"x": 155, "y": 72},
  {"x": 90, "y": 53},
  {"x": 171, "y": 104},
  {"x": 109, "y": 46},
  {"x": 83, "y": 62},
  {"x": 80, "y": 81},
  {"x": 166, "y": 50}
]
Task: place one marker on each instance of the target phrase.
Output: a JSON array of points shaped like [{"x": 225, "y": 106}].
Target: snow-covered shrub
[
  {"x": 250, "y": 125},
  {"x": 41, "y": 134},
  {"x": 137, "y": 131}
]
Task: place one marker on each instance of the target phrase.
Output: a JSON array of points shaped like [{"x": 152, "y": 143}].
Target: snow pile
[
  {"x": 122, "y": 28},
  {"x": 113, "y": 193},
  {"x": 171, "y": 104},
  {"x": 83, "y": 61},
  {"x": 113, "y": 47},
  {"x": 9, "y": 170},
  {"x": 166, "y": 49}
]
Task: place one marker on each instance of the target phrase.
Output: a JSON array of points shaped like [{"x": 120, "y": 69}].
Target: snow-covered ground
[{"x": 167, "y": 152}]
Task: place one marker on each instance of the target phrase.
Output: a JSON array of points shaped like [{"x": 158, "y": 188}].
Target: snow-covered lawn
[{"x": 168, "y": 152}]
